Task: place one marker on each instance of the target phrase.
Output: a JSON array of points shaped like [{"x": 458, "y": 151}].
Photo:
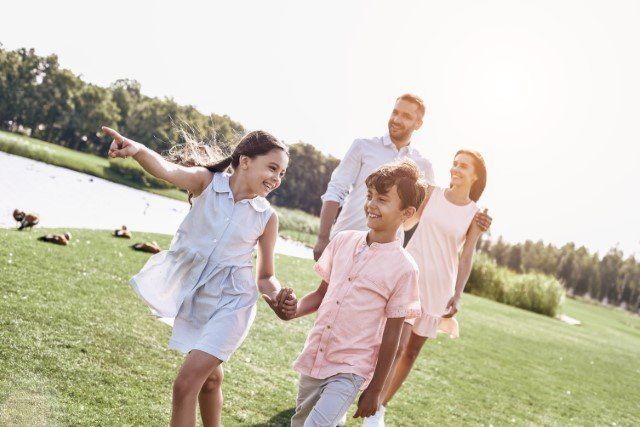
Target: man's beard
[{"x": 400, "y": 135}]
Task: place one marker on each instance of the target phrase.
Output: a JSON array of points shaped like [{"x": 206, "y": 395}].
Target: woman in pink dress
[{"x": 442, "y": 245}]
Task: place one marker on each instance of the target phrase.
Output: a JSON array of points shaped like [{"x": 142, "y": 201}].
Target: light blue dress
[{"x": 205, "y": 279}]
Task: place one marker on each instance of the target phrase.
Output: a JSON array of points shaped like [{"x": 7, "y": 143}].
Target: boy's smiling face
[{"x": 384, "y": 210}]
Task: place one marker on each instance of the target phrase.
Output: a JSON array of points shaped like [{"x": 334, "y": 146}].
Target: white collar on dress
[{"x": 221, "y": 185}]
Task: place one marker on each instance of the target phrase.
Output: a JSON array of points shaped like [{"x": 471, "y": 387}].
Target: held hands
[
  {"x": 368, "y": 403},
  {"x": 121, "y": 146},
  {"x": 483, "y": 220},
  {"x": 284, "y": 303},
  {"x": 452, "y": 306}
]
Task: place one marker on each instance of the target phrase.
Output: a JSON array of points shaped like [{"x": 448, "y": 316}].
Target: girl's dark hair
[
  {"x": 256, "y": 143},
  {"x": 481, "y": 171},
  {"x": 194, "y": 152}
]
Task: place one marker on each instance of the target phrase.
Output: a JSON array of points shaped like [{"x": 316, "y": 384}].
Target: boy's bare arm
[
  {"x": 371, "y": 398},
  {"x": 311, "y": 302}
]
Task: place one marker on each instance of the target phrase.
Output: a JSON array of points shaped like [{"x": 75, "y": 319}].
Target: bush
[{"x": 535, "y": 292}]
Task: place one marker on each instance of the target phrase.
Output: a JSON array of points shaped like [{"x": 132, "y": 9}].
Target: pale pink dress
[{"x": 435, "y": 246}]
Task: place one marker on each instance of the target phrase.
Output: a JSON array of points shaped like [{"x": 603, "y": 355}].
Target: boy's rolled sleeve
[{"x": 405, "y": 299}]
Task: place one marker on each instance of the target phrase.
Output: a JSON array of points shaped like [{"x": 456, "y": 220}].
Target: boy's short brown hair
[{"x": 405, "y": 175}]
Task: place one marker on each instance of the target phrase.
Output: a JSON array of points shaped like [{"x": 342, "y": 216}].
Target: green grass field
[
  {"x": 294, "y": 223},
  {"x": 77, "y": 347}
]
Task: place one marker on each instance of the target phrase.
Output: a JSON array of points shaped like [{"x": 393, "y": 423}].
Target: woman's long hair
[
  {"x": 194, "y": 152},
  {"x": 481, "y": 172}
]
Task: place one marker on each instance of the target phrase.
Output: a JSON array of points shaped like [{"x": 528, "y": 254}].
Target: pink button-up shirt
[{"x": 365, "y": 288}]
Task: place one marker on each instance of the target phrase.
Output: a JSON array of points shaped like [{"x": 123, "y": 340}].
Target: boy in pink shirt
[{"x": 369, "y": 287}]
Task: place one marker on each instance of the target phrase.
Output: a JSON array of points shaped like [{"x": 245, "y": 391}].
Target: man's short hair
[
  {"x": 414, "y": 99},
  {"x": 405, "y": 175}
]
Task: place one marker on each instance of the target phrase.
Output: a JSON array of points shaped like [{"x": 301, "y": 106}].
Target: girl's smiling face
[
  {"x": 462, "y": 171},
  {"x": 265, "y": 173}
]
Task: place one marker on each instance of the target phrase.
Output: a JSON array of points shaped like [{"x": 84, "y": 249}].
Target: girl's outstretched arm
[
  {"x": 464, "y": 268},
  {"x": 282, "y": 301},
  {"x": 194, "y": 179}
]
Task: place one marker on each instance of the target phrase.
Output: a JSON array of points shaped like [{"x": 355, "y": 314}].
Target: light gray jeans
[{"x": 321, "y": 403}]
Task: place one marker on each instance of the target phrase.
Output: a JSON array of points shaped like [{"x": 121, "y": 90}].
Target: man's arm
[
  {"x": 371, "y": 398},
  {"x": 342, "y": 178},
  {"x": 328, "y": 216}
]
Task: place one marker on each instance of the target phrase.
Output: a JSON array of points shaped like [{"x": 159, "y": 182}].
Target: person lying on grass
[
  {"x": 205, "y": 280},
  {"x": 369, "y": 287}
]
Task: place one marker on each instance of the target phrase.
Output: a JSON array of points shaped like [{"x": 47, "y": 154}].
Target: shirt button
[
  {"x": 321, "y": 350},
  {"x": 226, "y": 219},
  {"x": 337, "y": 302},
  {"x": 328, "y": 326},
  {"x": 215, "y": 240},
  {"x": 350, "y": 278}
]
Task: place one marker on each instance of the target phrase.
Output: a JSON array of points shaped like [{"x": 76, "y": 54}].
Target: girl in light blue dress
[{"x": 205, "y": 279}]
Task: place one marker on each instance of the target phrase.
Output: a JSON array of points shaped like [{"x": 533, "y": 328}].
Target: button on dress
[{"x": 205, "y": 279}]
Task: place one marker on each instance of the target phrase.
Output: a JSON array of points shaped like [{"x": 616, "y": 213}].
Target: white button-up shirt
[{"x": 347, "y": 185}]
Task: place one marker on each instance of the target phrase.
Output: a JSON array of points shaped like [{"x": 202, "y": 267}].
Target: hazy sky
[{"x": 548, "y": 91}]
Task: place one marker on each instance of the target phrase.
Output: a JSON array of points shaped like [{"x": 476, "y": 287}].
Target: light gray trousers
[{"x": 321, "y": 403}]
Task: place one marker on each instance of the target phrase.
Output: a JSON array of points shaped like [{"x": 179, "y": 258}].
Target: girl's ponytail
[{"x": 221, "y": 165}]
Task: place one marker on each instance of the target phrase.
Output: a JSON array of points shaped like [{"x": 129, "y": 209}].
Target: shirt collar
[
  {"x": 379, "y": 246},
  {"x": 221, "y": 185},
  {"x": 387, "y": 142}
]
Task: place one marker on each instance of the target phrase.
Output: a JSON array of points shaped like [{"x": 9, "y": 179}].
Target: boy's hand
[
  {"x": 284, "y": 303},
  {"x": 368, "y": 403},
  {"x": 121, "y": 146}
]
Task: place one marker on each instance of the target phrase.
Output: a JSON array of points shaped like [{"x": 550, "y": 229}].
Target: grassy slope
[
  {"x": 294, "y": 223},
  {"x": 78, "y": 347}
]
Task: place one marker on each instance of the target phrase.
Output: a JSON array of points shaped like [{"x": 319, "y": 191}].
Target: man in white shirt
[{"x": 347, "y": 186}]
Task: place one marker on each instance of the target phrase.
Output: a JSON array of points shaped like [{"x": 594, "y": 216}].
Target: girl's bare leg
[
  {"x": 210, "y": 399},
  {"x": 196, "y": 368},
  {"x": 403, "y": 363}
]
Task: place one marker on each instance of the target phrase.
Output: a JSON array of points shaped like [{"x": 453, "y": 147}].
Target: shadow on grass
[{"x": 282, "y": 418}]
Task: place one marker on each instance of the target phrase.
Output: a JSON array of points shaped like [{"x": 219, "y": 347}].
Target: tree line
[
  {"x": 610, "y": 279},
  {"x": 41, "y": 99}
]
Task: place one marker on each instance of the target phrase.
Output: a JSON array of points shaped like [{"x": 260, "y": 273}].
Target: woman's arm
[
  {"x": 370, "y": 399},
  {"x": 464, "y": 268},
  {"x": 193, "y": 179}
]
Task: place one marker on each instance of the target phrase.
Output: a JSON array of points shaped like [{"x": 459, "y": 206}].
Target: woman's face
[
  {"x": 264, "y": 173},
  {"x": 463, "y": 172}
]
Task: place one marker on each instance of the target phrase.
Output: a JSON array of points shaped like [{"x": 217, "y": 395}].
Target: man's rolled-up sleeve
[{"x": 344, "y": 176}]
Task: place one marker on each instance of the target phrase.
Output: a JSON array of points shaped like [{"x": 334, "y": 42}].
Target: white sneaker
[
  {"x": 377, "y": 419},
  {"x": 343, "y": 421}
]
